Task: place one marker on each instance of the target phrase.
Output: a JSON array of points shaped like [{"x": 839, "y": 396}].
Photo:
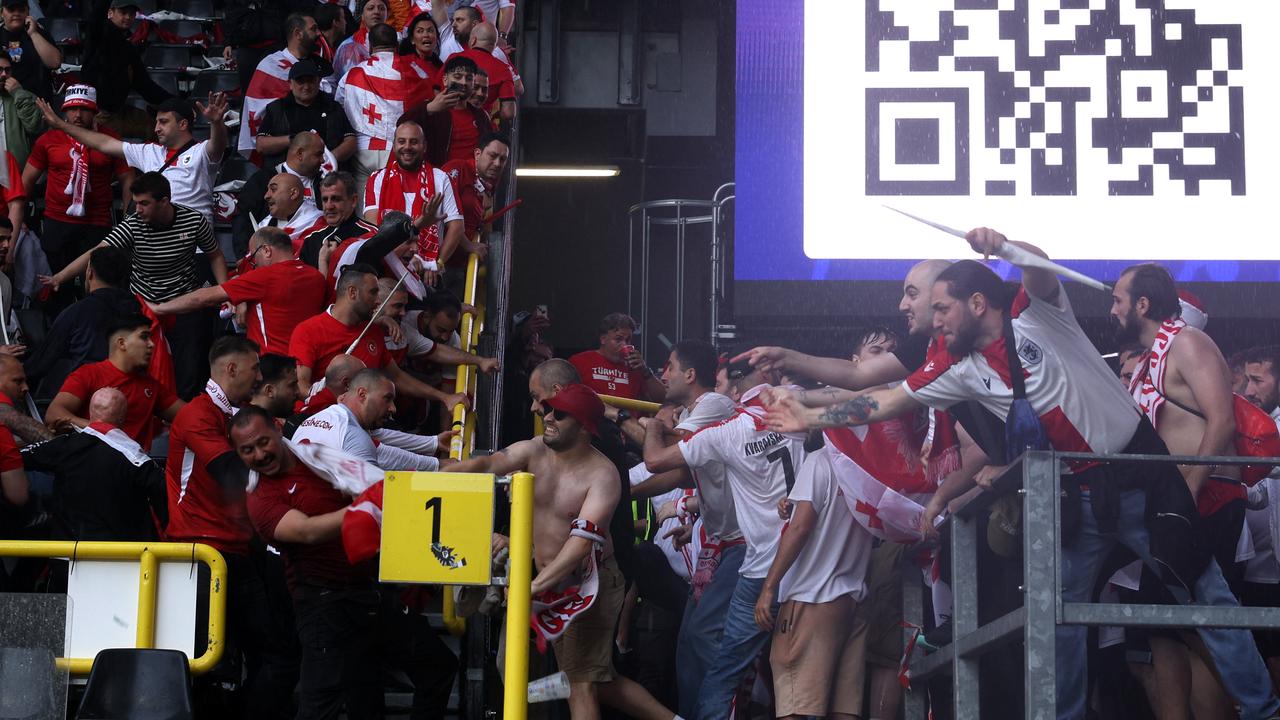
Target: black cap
[
  {"x": 304, "y": 68},
  {"x": 118, "y": 4},
  {"x": 14, "y": 3}
]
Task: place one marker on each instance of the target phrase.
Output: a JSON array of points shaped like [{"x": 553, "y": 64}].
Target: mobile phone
[
  {"x": 457, "y": 87},
  {"x": 739, "y": 369}
]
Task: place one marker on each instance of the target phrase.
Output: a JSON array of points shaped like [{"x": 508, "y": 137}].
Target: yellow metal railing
[
  {"x": 464, "y": 419},
  {"x": 515, "y": 697},
  {"x": 633, "y": 405},
  {"x": 148, "y": 556}
]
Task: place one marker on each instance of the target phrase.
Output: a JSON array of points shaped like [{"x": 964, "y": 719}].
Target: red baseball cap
[{"x": 582, "y": 404}]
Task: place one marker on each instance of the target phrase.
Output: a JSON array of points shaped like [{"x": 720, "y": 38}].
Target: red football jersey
[
  {"x": 147, "y": 398},
  {"x": 607, "y": 377},
  {"x": 317, "y": 340},
  {"x": 281, "y": 296},
  {"x": 199, "y": 510}
]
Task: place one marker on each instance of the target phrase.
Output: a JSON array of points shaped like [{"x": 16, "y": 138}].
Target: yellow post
[
  {"x": 632, "y": 405},
  {"x": 449, "y": 613},
  {"x": 148, "y": 579},
  {"x": 515, "y": 693}
]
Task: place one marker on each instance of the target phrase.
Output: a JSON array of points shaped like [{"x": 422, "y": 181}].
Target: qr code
[{"x": 1063, "y": 98}]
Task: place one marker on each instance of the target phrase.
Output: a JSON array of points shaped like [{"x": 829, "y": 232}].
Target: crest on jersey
[
  {"x": 147, "y": 392},
  {"x": 373, "y": 349},
  {"x": 1030, "y": 352}
]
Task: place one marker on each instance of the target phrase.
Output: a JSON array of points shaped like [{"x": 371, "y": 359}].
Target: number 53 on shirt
[{"x": 437, "y": 528}]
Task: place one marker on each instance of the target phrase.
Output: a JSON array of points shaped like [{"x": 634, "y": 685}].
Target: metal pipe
[
  {"x": 630, "y": 404},
  {"x": 148, "y": 582},
  {"x": 515, "y": 699},
  {"x": 449, "y": 614}
]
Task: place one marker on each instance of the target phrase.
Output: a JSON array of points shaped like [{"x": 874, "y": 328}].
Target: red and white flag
[
  {"x": 270, "y": 82},
  {"x": 373, "y": 95},
  {"x": 883, "y": 511},
  {"x": 553, "y": 610},
  {"x": 362, "y": 525}
]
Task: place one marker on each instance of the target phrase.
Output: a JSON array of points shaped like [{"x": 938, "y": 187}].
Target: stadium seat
[
  {"x": 138, "y": 684},
  {"x": 167, "y": 79},
  {"x": 194, "y": 8},
  {"x": 167, "y": 57},
  {"x": 184, "y": 28},
  {"x": 25, "y": 677},
  {"x": 216, "y": 81},
  {"x": 65, "y": 30}
]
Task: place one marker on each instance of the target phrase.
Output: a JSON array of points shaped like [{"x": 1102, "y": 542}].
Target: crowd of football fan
[{"x": 229, "y": 344}]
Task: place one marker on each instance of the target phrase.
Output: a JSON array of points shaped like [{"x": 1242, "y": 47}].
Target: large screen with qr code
[{"x": 1104, "y": 131}]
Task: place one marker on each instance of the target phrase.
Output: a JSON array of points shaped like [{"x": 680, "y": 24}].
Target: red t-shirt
[
  {"x": 502, "y": 84},
  {"x": 52, "y": 154},
  {"x": 470, "y": 193},
  {"x": 320, "y": 401},
  {"x": 317, "y": 340},
  {"x": 147, "y": 398},
  {"x": 14, "y": 191},
  {"x": 464, "y": 134},
  {"x": 323, "y": 564},
  {"x": 199, "y": 509},
  {"x": 607, "y": 377},
  {"x": 281, "y": 296},
  {"x": 10, "y": 457}
]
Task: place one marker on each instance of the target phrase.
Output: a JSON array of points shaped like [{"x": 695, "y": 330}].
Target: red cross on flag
[
  {"x": 270, "y": 82},
  {"x": 884, "y": 512},
  {"x": 373, "y": 96}
]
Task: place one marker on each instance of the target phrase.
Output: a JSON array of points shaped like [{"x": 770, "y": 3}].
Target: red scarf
[
  {"x": 78, "y": 184},
  {"x": 392, "y": 198}
]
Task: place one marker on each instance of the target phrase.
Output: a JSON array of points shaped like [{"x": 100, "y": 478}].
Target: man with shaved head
[
  {"x": 502, "y": 81},
  {"x": 356, "y": 420},
  {"x": 13, "y": 393},
  {"x": 303, "y": 159},
  {"x": 337, "y": 379},
  {"x": 105, "y": 487},
  {"x": 289, "y": 209},
  {"x": 277, "y": 294}
]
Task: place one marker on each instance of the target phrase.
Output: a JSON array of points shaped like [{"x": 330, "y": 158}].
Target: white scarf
[{"x": 219, "y": 398}]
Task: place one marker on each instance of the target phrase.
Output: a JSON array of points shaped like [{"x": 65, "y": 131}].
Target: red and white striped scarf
[
  {"x": 78, "y": 185},
  {"x": 553, "y": 610},
  {"x": 1147, "y": 384},
  {"x": 392, "y": 197}
]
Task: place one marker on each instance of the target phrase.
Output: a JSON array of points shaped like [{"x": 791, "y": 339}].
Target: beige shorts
[
  {"x": 585, "y": 651},
  {"x": 818, "y": 658},
  {"x": 883, "y": 606}
]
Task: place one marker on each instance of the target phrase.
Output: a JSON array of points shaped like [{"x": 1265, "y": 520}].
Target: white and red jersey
[
  {"x": 1071, "y": 388},
  {"x": 760, "y": 465},
  {"x": 374, "y": 94},
  {"x": 305, "y": 220},
  {"x": 395, "y": 189},
  {"x": 270, "y": 82}
]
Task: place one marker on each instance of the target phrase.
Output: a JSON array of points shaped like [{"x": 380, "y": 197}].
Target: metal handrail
[
  {"x": 1036, "y": 477},
  {"x": 148, "y": 556},
  {"x": 630, "y": 404}
]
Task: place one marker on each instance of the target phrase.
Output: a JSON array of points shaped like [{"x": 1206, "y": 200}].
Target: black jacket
[
  {"x": 98, "y": 492},
  {"x": 250, "y": 201},
  {"x": 114, "y": 65}
]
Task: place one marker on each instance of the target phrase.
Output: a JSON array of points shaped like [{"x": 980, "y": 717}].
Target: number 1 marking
[{"x": 435, "y": 504}]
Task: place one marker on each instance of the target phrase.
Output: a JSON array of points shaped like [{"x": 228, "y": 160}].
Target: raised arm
[
  {"x": 214, "y": 113},
  {"x": 1038, "y": 282},
  {"x": 879, "y": 370},
  {"x": 787, "y": 414},
  {"x": 450, "y": 355},
  {"x": 660, "y": 457},
  {"x": 412, "y": 386},
  {"x": 49, "y": 53},
  {"x": 101, "y": 142}
]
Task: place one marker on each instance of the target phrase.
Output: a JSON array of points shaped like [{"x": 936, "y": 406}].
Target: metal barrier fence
[
  {"x": 148, "y": 556},
  {"x": 1036, "y": 477}
]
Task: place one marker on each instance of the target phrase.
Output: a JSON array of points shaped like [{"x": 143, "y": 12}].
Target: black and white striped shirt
[{"x": 164, "y": 258}]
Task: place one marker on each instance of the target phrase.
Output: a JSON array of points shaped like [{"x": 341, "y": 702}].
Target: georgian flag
[
  {"x": 270, "y": 82},
  {"x": 882, "y": 510},
  {"x": 373, "y": 95}
]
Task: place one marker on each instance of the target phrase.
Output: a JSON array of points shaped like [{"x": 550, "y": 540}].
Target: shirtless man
[
  {"x": 1183, "y": 385},
  {"x": 576, "y": 482}
]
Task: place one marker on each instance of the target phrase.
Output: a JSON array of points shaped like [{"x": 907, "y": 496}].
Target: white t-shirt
[
  {"x": 714, "y": 496},
  {"x": 337, "y": 427},
  {"x": 190, "y": 176},
  {"x": 834, "y": 561},
  {"x": 1071, "y": 388},
  {"x": 449, "y": 44},
  {"x": 448, "y": 206},
  {"x": 760, "y": 466},
  {"x": 414, "y": 343}
]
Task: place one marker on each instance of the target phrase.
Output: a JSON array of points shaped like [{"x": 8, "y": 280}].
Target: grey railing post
[
  {"x": 915, "y": 701},
  {"x": 1040, "y": 581},
  {"x": 964, "y": 614}
]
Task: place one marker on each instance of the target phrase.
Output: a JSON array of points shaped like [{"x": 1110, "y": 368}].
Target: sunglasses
[{"x": 557, "y": 414}]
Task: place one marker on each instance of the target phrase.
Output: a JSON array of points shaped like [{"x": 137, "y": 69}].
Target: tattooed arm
[
  {"x": 23, "y": 426},
  {"x": 788, "y": 413}
]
